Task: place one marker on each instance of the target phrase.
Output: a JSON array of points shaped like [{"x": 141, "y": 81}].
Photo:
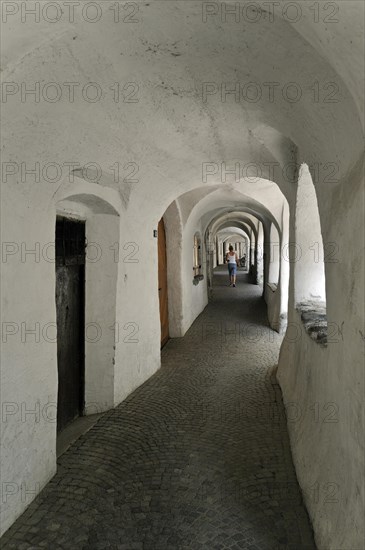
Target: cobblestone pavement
[{"x": 197, "y": 458}]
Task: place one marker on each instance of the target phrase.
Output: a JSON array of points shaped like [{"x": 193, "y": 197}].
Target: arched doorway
[
  {"x": 70, "y": 309},
  {"x": 87, "y": 260}
]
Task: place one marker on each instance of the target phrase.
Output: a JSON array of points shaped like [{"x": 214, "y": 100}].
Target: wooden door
[
  {"x": 162, "y": 283},
  {"x": 70, "y": 292}
]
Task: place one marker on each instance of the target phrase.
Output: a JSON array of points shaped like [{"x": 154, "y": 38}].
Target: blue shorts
[{"x": 232, "y": 268}]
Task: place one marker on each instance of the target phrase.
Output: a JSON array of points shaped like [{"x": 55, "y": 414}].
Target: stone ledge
[
  {"x": 197, "y": 279},
  {"x": 314, "y": 319},
  {"x": 272, "y": 286}
]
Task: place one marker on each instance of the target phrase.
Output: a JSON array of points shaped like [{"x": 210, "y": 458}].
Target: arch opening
[
  {"x": 309, "y": 272},
  {"x": 100, "y": 330},
  {"x": 274, "y": 253},
  {"x": 308, "y": 257}
]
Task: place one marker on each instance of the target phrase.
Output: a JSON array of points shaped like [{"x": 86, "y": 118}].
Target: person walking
[{"x": 232, "y": 260}]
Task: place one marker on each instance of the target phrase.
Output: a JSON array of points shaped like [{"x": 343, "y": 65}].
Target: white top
[{"x": 232, "y": 259}]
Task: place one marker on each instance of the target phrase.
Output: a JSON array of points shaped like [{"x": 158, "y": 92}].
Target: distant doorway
[
  {"x": 162, "y": 283},
  {"x": 70, "y": 307}
]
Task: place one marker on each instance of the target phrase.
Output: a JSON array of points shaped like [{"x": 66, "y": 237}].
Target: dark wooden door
[
  {"x": 70, "y": 300},
  {"x": 162, "y": 283}
]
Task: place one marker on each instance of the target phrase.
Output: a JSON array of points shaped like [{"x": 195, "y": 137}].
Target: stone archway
[{"x": 101, "y": 331}]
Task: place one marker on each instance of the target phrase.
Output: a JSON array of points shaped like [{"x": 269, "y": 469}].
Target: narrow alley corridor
[{"x": 197, "y": 457}]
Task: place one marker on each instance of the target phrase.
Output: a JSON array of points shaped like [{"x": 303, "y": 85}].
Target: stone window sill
[
  {"x": 272, "y": 286},
  {"x": 314, "y": 319},
  {"x": 197, "y": 279}
]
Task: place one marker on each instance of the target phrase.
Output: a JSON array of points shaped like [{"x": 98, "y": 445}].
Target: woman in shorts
[{"x": 232, "y": 260}]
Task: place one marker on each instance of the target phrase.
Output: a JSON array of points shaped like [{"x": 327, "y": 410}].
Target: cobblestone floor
[{"x": 197, "y": 458}]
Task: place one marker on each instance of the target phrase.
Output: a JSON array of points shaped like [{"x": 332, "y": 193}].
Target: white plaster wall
[
  {"x": 275, "y": 250},
  {"x": 277, "y": 299},
  {"x": 284, "y": 267},
  {"x": 260, "y": 255},
  {"x": 328, "y": 448},
  {"x": 220, "y": 251},
  {"x": 195, "y": 296},
  {"x": 101, "y": 329},
  {"x": 272, "y": 298},
  {"x": 174, "y": 246},
  {"x": 271, "y": 283},
  {"x": 137, "y": 354},
  {"x": 28, "y": 362},
  {"x": 309, "y": 278}
]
